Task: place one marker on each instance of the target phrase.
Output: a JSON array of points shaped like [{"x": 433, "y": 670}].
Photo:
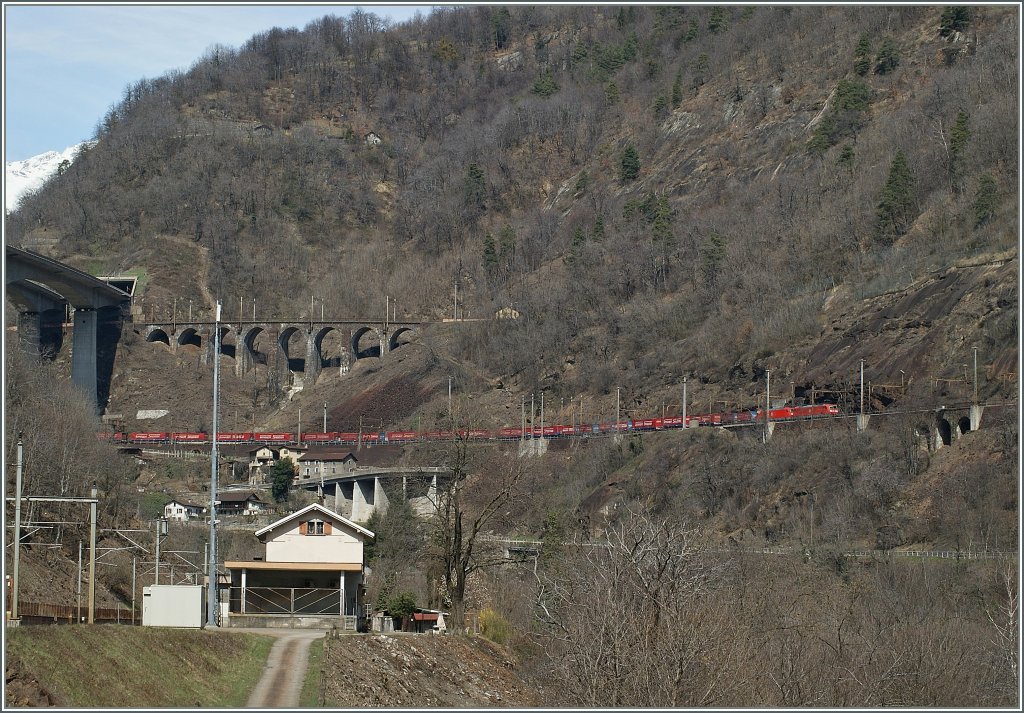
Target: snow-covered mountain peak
[{"x": 25, "y": 176}]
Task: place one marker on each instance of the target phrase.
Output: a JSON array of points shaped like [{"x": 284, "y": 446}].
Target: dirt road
[{"x": 281, "y": 683}]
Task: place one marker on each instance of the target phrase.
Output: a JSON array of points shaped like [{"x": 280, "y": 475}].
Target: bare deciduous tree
[
  {"x": 467, "y": 503},
  {"x": 626, "y": 620}
]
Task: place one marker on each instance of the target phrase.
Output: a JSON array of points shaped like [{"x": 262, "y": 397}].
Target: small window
[{"x": 315, "y": 527}]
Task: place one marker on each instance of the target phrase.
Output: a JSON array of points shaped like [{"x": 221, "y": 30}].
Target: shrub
[{"x": 495, "y": 627}]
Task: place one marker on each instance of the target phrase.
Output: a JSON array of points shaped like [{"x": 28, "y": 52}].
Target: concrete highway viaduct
[
  {"x": 356, "y": 494},
  {"x": 42, "y": 290}
]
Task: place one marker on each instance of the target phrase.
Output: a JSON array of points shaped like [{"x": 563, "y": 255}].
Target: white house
[
  {"x": 181, "y": 511},
  {"x": 313, "y": 567},
  {"x": 326, "y": 462}
]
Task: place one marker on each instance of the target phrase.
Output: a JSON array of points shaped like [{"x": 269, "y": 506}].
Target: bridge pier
[
  {"x": 83, "y": 352},
  {"x": 380, "y": 497},
  {"x": 976, "y": 411},
  {"x": 862, "y": 422},
  {"x": 533, "y": 447},
  {"x": 362, "y": 500},
  {"x": 312, "y": 361}
]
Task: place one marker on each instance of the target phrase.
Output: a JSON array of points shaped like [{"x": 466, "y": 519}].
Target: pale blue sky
[{"x": 65, "y": 65}]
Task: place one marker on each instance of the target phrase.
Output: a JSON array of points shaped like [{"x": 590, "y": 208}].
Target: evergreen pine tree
[
  {"x": 629, "y": 164},
  {"x": 660, "y": 106},
  {"x": 863, "y": 56},
  {"x": 718, "y": 21},
  {"x": 661, "y": 225},
  {"x": 281, "y": 474},
  {"x": 582, "y": 183},
  {"x": 954, "y": 19},
  {"x": 546, "y": 85},
  {"x": 473, "y": 188},
  {"x": 888, "y": 57},
  {"x": 712, "y": 254},
  {"x": 985, "y": 200},
  {"x": 501, "y": 27},
  {"x": 490, "y": 256},
  {"x": 846, "y": 157},
  {"x": 576, "y": 247},
  {"x": 896, "y": 202},
  {"x": 959, "y": 135},
  {"x": 677, "y": 92}
]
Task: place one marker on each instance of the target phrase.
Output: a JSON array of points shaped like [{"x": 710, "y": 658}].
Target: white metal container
[{"x": 177, "y": 605}]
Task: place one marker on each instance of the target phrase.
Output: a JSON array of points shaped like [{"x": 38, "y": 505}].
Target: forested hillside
[
  {"x": 660, "y": 193},
  {"x": 675, "y": 187}
]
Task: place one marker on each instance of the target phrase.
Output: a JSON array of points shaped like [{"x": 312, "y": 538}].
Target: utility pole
[
  {"x": 617, "y": 390},
  {"x": 17, "y": 532},
  {"x": 862, "y": 386},
  {"x": 449, "y": 396},
  {"x": 767, "y": 402},
  {"x": 92, "y": 556},
  {"x": 78, "y": 600},
  {"x": 975, "y": 376},
  {"x": 456, "y": 299},
  {"x": 522, "y": 432},
  {"x": 133, "y": 586},
  {"x": 161, "y": 530},
  {"x": 211, "y": 573},
  {"x": 684, "y": 402},
  {"x": 325, "y": 417},
  {"x": 298, "y": 436},
  {"x": 542, "y": 415}
]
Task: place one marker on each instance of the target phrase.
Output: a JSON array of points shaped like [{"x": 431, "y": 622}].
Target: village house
[
  {"x": 311, "y": 573},
  {"x": 263, "y": 458},
  {"x": 326, "y": 462},
  {"x": 180, "y": 511},
  {"x": 242, "y": 502}
]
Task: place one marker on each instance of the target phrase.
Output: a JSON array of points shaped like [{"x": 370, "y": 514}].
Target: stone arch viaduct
[{"x": 269, "y": 342}]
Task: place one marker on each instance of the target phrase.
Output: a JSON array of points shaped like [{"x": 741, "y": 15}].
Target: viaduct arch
[{"x": 247, "y": 343}]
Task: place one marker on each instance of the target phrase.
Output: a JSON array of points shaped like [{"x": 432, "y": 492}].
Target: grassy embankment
[
  {"x": 309, "y": 697},
  {"x": 121, "y": 666}
]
